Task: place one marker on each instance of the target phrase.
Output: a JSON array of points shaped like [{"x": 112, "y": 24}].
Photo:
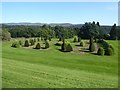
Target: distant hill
[
  {"x": 105, "y": 27},
  {"x": 41, "y": 24}
]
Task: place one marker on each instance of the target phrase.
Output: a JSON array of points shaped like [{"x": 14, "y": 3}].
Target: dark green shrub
[
  {"x": 20, "y": 42},
  {"x": 92, "y": 47},
  {"x": 32, "y": 42},
  {"x": 38, "y": 39},
  {"x": 26, "y": 43},
  {"x": 15, "y": 45},
  {"x": 100, "y": 51},
  {"x": 38, "y": 46},
  {"x": 104, "y": 44},
  {"x": 109, "y": 52},
  {"x": 75, "y": 39},
  {"x": 69, "y": 48},
  {"x": 60, "y": 39},
  {"x": 49, "y": 38},
  {"x": 45, "y": 38},
  {"x": 42, "y": 39},
  {"x": 81, "y": 44},
  {"x": 110, "y": 46},
  {"x": 79, "y": 39},
  {"x": 47, "y": 44}
]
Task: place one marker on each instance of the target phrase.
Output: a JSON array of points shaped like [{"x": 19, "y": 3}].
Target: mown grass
[{"x": 29, "y": 68}]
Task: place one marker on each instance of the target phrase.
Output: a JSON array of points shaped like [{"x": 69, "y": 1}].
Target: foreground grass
[{"x": 51, "y": 68}]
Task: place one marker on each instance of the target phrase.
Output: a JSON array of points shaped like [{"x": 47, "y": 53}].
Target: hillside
[{"x": 29, "y": 68}]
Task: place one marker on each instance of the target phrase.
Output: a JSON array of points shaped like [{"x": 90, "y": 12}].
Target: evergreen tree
[{"x": 113, "y": 32}]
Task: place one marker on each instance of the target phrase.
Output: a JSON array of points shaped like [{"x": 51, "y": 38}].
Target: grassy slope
[{"x": 52, "y": 68}]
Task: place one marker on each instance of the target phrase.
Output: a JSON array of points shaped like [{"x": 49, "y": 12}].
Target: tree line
[{"x": 87, "y": 31}]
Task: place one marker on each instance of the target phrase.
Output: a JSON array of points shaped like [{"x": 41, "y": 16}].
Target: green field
[{"x": 30, "y": 68}]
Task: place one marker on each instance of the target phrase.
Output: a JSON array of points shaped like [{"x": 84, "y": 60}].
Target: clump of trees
[
  {"x": 5, "y": 35},
  {"x": 108, "y": 49}
]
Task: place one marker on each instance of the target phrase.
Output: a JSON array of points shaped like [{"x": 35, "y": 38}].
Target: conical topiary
[
  {"x": 47, "y": 44},
  {"x": 38, "y": 46},
  {"x": 109, "y": 52},
  {"x": 32, "y": 42},
  {"x": 69, "y": 48},
  {"x": 26, "y": 43},
  {"x": 100, "y": 51}
]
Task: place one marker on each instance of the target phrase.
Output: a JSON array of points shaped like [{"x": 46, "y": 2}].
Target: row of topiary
[
  {"x": 38, "y": 46},
  {"x": 31, "y": 42}
]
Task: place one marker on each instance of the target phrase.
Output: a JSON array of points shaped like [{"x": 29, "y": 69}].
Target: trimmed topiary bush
[
  {"x": 26, "y": 43},
  {"x": 100, "y": 51},
  {"x": 38, "y": 46},
  {"x": 32, "y": 42},
  {"x": 110, "y": 46},
  {"x": 38, "y": 39},
  {"x": 47, "y": 44},
  {"x": 15, "y": 45},
  {"x": 75, "y": 39},
  {"x": 45, "y": 38},
  {"x": 49, "y": 38},
  {"x": 20, "y": 43},
  {"x": 92, "y": 47},
  {"x": 109, "y": 52},
  {"x": 81, "y": 44},
  {"x": 42, "y": 39},
  {"x": 69, "y": 48}
]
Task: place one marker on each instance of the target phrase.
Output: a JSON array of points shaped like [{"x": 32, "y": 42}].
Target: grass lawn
[{"x": 30, "y": 68}]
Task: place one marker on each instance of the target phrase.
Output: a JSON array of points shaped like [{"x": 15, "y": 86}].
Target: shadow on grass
[
  {"x": 62, "y": 50},
  {"x": 77, "y": 45},
  {"x": 84, "y": 50},
  {"x": 94, "y": 53},
  {"x": 40, "y": 48}
]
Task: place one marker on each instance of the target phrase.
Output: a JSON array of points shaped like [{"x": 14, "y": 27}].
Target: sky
[{"x": 60, "y": 12}]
